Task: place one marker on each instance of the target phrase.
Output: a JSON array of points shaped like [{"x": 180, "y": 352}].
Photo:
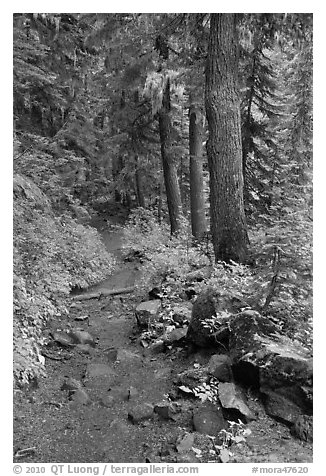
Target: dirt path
[{"x": 64, "y": 431}]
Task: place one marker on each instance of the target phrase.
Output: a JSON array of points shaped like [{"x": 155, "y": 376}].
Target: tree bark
[
  {"x": 170, "y": 172},
  {"x": 224, "y": 149},
  {"x": 104, "y": 293},
  {"x": 197, "y": 200},
  {"x": 139, "y": 185}
]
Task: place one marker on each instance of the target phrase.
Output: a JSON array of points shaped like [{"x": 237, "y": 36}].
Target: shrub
[{"x": 165, "y": 256}]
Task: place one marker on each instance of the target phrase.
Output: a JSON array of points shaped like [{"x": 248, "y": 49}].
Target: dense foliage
[
  {"x": 88, "y": 95},
  {"x": 52, "y": 255}
]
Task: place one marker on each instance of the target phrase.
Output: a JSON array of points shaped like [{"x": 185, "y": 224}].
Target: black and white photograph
[{"x": 162, "y": 242}]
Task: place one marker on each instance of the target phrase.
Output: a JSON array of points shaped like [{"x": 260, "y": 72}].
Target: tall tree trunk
[
  {"x": 160, "y": 201},
  {"x": 224, "y": 149},
  {"x": 139, "y": 185},
  {"x": 197, "y": 200},
  {"x": 117, "y": 166},
  {"x": 169, "y": 163}
]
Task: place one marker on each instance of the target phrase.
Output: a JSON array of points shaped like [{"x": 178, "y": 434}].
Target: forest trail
[
  {"x": 62, "y": 431},
  {"x": 117, "y": 375}
]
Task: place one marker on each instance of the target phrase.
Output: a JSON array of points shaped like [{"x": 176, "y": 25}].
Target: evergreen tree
[{"x": 224, "y": 150}]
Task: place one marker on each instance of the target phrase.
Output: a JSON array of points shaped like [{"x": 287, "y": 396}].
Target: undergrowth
[
  {"x": 51, "y": 256},
  {"x": 278, "y": 284}
]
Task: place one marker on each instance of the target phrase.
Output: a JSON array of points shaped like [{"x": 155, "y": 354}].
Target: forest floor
[{"x": 59, "y": 430}]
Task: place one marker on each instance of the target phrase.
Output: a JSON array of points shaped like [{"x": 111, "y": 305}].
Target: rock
[
  {"x": 81, "y": 337},
  {"x": 71, "y": 384},
  {"x": 231, "y": 398},
  {"x": 157, "y": 347},
  {"x": 209, "y": 303},
  {"x": 80, "y": 396},
  {"x": 185, "y": 442},
  {"x": 182, "y": 313},
  {"x": 147, "y": 312},
  {"x": 141, "y": 412},
  {"x": 63, "y": 338},
  {"x": 165, "y": 410},
  {"x": 95, "y": 370},
  {"x": 174, "y": 336},
  {"x": 281, "y": 408},
  {"x": 303, "y": 428},
  {"x": 208, "y": 419},
  {"x": 270, "y": 361},
  {"x": 220, "y": 366}
]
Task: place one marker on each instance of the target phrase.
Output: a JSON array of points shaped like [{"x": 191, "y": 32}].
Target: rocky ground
[{"x": 112, "y": 399}]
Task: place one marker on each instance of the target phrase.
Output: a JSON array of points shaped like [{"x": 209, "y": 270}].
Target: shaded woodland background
[{"x": 109, "y": 115}]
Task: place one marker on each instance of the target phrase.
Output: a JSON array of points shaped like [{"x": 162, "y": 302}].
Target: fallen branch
[{"x": 99, "y": 295}]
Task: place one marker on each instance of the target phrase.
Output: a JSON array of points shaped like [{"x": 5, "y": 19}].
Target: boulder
[
  {"x": 220, "y": 367},
  {"x": 210, "y": 304},
  {"x": 272, "y": 362},
  {"x": 147, "y": 312},
  {"x": 231, "y": 398},
  {"x": 208, "y": 419}
]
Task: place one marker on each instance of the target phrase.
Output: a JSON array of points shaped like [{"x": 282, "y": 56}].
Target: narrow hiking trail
[{"x": 119, "y": 377}]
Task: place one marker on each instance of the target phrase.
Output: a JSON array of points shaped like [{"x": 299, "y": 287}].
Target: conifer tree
[{"x": 224, "y": 150}]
